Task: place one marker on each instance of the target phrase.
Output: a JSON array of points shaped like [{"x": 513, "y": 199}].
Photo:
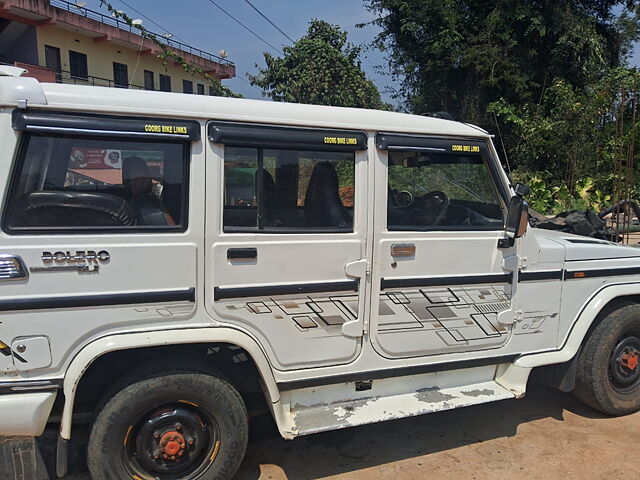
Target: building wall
[{"x": 101, "y": 55}]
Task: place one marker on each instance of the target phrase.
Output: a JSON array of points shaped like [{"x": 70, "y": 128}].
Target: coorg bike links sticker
[
  {"x": 465, "y": 148},
  {"x": 173, "y": 129},
  {"x": 341, "y": 140}
]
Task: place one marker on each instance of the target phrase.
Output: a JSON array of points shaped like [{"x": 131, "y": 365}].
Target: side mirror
[
  {"x": 517, "y": 221},
  {"x": 521, "y": 189}
]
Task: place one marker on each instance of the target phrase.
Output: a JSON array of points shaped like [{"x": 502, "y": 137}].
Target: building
[{"x": 60, "y": 41}]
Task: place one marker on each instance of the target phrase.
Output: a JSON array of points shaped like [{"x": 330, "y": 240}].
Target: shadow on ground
[{"x": 352, "y": 449}]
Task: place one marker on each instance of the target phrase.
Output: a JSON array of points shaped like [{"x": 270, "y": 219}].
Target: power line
[
  {"x": 269, "y": 20},
  {"x": 246, "y": 28},
  {"x": 150, "y": 20}
]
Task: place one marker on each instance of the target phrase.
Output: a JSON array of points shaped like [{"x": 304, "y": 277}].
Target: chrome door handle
[
  {"x": 403, "y": 250},
  {"x": 12, "y": 268}
]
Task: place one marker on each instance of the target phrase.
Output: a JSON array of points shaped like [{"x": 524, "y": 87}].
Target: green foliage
[
  {"x": 167, "y": 54},
  {"x": 321, "y": 68},
  {"x": 461, "y": 55}
]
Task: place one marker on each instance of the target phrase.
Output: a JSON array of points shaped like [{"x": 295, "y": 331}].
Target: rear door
[
  {"x": 439, "y": 278},
  {"x": 285, "y": 239}
]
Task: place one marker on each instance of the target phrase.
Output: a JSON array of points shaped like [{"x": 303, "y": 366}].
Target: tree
[
  {"x": 461, "y": 55},
  {"x": 321, "y": 68}
]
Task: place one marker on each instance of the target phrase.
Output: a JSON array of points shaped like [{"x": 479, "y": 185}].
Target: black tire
[
  {"x": 194, "y": 424},
  {"x": 603, "y": 381}
]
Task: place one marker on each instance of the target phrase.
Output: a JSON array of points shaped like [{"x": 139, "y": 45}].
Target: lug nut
[
  {"x": 191, "y": 441},
  {"x": 178, "y": 426},
  {"x": 156, "y": 436}
]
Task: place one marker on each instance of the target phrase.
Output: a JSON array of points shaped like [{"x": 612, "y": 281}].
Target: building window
[
  {"x": 165, "y": 83},
  {"x": 200, "y": 89},
  {"x": 120, "y": 75},
  {"x": 78, "y": 65},
  {"x": 187, "y": 86},
  {"x": 149, "y": 83},
  {"x": 212, "y": 92},
  {"x": 52, "y": 61}
]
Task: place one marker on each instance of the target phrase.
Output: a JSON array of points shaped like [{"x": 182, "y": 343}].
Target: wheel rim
[
  {"x": 171, "y": 441},
  {"x": 624, "y": 365}
]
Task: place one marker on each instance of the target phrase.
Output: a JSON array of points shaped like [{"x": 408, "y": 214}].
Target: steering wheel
[
  {"x": 438, "y": 201},
  {"x": 403, "y": 199}
]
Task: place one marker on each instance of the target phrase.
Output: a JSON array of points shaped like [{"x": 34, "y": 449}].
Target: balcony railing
[
  {"x": 115, "y": 22},
  {"x": 64, "y": 76}
]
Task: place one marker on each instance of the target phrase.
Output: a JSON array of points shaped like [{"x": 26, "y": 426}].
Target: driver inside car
[{"x": 137, "y": 180}]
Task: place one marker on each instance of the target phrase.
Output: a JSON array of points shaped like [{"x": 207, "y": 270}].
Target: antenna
[
  {"x": 137, "y": 21},
  {"x": 81, "y": 4},
  {"x": 222, "y": 53},
  {"x": 168, "y": 35}
]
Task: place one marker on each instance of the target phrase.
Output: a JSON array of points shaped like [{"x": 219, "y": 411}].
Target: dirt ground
[{"x": 547, "y": 435}]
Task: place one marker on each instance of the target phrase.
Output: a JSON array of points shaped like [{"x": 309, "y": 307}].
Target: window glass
[
  {"x": 187, "y": 86},
  {"x": 288, "y": 190},
  {"x": 200, "y": 89},
  {"x": 120, "y": 75},
  {"x": 431, "y": 191},
  {"x": 65, "y": 182}
]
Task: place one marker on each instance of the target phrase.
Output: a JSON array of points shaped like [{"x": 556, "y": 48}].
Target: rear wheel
[
  {"x": 178, "y": 426},
  {"x": 608, "y": 375}
]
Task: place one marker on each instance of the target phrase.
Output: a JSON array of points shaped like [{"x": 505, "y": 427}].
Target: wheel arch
[{"x": 98, "y": 348}]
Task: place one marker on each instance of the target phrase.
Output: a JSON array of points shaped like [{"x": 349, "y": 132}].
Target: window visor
[
  {"x": 39, "y": 121},
  {"x": 255, "y": 135}
]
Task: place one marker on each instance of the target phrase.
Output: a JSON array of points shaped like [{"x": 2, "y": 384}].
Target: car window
[
  {"x": 428, "y": 191},
  {"x": 66, "y": 183},
  {"x": 288, "y": 190}
]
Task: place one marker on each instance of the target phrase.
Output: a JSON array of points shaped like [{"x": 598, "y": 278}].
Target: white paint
[{"x": 25, "y": 414}]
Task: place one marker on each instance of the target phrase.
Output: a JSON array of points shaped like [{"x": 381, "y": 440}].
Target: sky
[{"x": 201, "y": 24}]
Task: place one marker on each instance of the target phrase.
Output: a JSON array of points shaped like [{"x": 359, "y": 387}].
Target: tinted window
[
  {"x": 288, "y": 190},
  {"x": 431, "y": 191},
  {"x": 200, "y": 88},
  {"x": 187, "y": 86},
  {"x": 83, "y": 183}
]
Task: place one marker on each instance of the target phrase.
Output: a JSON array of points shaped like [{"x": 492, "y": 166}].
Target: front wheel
[
  {"x": 608, "y": 375},
  {"x": 178, "y": 426}
]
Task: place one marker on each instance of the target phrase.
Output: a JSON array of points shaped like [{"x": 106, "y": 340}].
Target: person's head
[{"x": 136, "y": 176}]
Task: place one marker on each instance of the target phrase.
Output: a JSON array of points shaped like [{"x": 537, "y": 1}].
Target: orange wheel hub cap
[{"x": 172, "y": 445}]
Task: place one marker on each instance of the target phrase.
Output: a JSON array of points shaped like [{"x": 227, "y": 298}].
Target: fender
[
  {"x": 580, "y": 326},
  {"x": 126, "y": 341}
]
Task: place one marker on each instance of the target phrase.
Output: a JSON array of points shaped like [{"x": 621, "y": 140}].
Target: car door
[
  {"x": 286, "y": 223},
  {"x": 441, "y": 284}
]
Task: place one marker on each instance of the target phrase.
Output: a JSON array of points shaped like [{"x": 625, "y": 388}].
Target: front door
[
  {"x": 439, "y": 280},
  {"x": 286, "y": 222}
]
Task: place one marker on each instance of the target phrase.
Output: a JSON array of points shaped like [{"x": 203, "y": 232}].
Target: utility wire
[
  {"x": 246, "y": 28},
  {"x": 150, "y": 20},
  {"x": 269, "y": 20}
]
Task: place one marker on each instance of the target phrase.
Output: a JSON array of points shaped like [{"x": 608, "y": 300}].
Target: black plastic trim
[
  {"x": 242, "y": 253},
  {"x": 601, "y": 272},
  {"x": 46, "y": 121},
  {"x": 220, "y": 293},
  {"x": 537, "y": 276},
  {"x": 258, "y": 135},
  {"x": 186, "y": 295},
  {"x": 395, "y": 372},
  {"x": 444, "y": 281},
  {"x": 29, "y": 386}
]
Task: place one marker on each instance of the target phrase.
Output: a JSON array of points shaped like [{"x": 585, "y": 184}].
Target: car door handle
[
  {"x": 12, "y": 267},
  {"x": 403, "y": 250},
  {"x": 242, "y": 253}
]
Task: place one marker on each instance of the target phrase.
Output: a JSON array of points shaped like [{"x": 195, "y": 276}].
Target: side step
[{"x": 341, "y": 414}]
